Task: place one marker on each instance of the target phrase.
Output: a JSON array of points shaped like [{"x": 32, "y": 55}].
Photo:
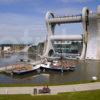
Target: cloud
[
  {"x": 60, "y": 11},
  {"x": 26, "y": 28},
  {"x": 33, "y": 2},
  {"x": 8, "y": 1},
  {"x": 28, "y": 24},
  {"x": 77, "y": 1},
  {"x": 67, "y": 11},
  {"x": 11, "y": 1},
  {"x": 21, "y": 28}
]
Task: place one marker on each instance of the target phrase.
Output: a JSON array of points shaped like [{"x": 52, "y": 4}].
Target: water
[{"x": 85, "y": 71}]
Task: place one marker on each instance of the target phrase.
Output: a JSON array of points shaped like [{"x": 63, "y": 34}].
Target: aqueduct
[{"x": 90, "y": 37}]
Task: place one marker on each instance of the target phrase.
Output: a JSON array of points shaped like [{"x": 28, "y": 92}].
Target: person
[
  {"x": 35, "y": 91},
  {"x": 48, "y": 89},
  {"x": 44, "y": 88}
]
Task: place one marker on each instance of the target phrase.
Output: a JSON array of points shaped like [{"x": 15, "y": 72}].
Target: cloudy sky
[{"x": 24, "y": 20}]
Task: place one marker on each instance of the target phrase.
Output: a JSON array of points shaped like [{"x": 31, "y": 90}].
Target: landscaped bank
[
  {"x": 31, "y": 85},
  {"x": 87, "y": 95}
]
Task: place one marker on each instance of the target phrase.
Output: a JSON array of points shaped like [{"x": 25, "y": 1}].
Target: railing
[{"x": 65, "y": 19}]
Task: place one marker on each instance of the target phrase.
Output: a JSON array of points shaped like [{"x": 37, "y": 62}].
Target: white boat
[{"x": 52, "y": 66}]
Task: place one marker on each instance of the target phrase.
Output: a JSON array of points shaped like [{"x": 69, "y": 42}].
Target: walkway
[{"x": 54, "y": 89}]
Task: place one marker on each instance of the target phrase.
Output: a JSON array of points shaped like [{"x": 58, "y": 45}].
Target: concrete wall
[
  {"x": 93, "y": 44},
  {"x": 91, "y": 52}
]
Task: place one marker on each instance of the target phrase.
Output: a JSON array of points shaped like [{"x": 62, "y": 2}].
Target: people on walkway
[{"x": 45, "y": 89}]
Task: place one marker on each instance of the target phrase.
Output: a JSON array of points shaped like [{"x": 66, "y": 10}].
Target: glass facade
[{"x": 72, "y": 47}]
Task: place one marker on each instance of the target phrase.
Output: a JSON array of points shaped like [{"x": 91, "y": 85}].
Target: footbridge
[{"x": 90, "y": 36}]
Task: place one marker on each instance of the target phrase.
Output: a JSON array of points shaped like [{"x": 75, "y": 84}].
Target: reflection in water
[{"x": 84, "y": 71}]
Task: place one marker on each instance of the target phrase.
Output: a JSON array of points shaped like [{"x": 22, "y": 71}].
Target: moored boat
[
  {"x": 58, "y": 65},
  {"x": 23, "y": 69}
]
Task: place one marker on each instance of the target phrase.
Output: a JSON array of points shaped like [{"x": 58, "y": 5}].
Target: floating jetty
[
  {"x": 3, "y": 69},
  {"x": 25, "y": 68},
  {"x": 11, "y": 67},
  {"x": 55, "y": 65}
]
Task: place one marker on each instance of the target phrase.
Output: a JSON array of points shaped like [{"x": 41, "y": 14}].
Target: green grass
[
  {"x": 67, "y": 83},
  {"x": 87, "y": 95}
]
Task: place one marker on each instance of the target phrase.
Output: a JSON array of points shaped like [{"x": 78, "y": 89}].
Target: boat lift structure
[{"x": 90, "y": 36}]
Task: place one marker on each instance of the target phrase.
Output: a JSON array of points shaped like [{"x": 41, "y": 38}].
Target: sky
[{"x": 23, "y": 21}]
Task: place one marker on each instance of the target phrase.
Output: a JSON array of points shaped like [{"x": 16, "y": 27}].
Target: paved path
[{"x": 54, "y": 89}]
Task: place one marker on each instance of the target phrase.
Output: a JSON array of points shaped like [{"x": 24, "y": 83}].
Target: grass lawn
[
  {"x": 26, "y": 85},
  {"x": 87, "y": 95}
]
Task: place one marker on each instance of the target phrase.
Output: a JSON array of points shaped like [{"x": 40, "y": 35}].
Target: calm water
[{"x": 84, "y": 71}]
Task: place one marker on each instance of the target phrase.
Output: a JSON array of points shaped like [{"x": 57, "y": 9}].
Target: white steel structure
[{"x": 90, "y": 37}]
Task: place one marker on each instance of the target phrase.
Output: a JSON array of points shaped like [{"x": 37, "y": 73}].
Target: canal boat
[
  {"x": 23, "y": 69},
  {"x": 56, "y": 65}
]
